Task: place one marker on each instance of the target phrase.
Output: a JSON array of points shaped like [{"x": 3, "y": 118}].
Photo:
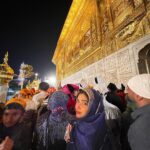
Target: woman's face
[{"x": 82, "y": 106}]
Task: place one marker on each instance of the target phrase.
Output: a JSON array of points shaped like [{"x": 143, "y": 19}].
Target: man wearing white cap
[{"x": 139, "y": 131}]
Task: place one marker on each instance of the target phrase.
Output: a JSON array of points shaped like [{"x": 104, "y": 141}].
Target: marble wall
[{"x": 118, "y": 67}]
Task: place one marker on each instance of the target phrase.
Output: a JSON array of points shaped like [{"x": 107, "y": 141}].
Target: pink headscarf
[
  {"x": 70, "y": 92},
  {"x": 66, "y": 90}
]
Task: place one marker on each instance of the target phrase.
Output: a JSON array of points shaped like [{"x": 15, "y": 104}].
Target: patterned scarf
[{"x": 52, "y": 126}]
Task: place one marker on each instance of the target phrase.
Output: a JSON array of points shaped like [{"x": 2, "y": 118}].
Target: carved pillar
[
  {"x": 111, "y": 24},
  {"x": 98, "y": 20}
]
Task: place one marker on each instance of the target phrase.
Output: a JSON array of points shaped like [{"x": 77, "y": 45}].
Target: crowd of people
[{"x": 77, "y": 117}]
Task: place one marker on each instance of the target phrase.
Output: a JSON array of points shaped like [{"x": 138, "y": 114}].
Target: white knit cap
[{"x": 140, "y": 85}]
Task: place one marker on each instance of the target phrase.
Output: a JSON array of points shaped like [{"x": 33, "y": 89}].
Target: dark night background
[{"x": 29, "y": 31}]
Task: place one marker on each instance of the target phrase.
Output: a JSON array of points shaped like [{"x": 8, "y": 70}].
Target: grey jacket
[{"x": 139, "y": 131}]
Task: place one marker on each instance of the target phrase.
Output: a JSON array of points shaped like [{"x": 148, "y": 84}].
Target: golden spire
[
  {"x": 6, "y": 72},
  {"x": 6, "y": 58}
]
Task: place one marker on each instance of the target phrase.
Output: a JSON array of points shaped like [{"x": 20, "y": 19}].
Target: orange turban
[
  {"x": 26, "y": 92},
  {"x": 32, "y": 91},
  {"x": 16, "y": 100},
  {"x": 51, "y": 90}
]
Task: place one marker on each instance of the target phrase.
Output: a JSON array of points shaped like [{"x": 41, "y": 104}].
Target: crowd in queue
[{"x": 77, "y": 117}]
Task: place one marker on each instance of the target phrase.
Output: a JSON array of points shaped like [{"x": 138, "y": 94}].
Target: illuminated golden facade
[{"x": 97, "y": 29}]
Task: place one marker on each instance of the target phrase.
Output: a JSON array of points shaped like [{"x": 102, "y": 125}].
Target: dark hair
[
  {"x": 122, "y": 87},
  {"x": 80, "y": 85},
  {"x": 82, "y": 92},
  {"x": 112, "y": 87},
  {"x": 71, "y": 88},
  {"x": 96, "y": 80},
  {"x": 44, "y": 86},
  {"x": 14, "y": 106}
]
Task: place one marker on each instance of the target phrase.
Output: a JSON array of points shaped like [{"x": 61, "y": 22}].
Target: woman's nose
[{"x": 77, "y": 106}]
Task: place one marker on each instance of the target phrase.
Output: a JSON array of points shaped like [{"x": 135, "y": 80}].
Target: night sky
[{"x": 29, "y": 31}]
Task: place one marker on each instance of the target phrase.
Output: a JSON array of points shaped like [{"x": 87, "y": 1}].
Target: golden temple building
[
  {"x": 104, "y": 39},
  {"x": 6, "y": 75}
]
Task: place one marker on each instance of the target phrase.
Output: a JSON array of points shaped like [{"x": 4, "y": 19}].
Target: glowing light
[
  {"x": 36, "y": 74},
  {"x": 51, "y": 80}
]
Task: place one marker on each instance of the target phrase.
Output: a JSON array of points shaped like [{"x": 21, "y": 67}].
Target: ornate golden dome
[{"x": 6, "y": 72}]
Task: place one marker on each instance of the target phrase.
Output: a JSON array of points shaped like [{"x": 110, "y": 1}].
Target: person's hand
[
  {"x": 67, "y": 134},
  {"x": 7, "y": 144}
]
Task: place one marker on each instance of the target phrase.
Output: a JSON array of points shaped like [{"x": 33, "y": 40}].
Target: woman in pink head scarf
[{"x": 71, "y": 91}]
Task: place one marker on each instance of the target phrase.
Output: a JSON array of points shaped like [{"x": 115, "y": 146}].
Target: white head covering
[
  {"x": 30, "y": 105},
  {"x": 140, "y": 85}
]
